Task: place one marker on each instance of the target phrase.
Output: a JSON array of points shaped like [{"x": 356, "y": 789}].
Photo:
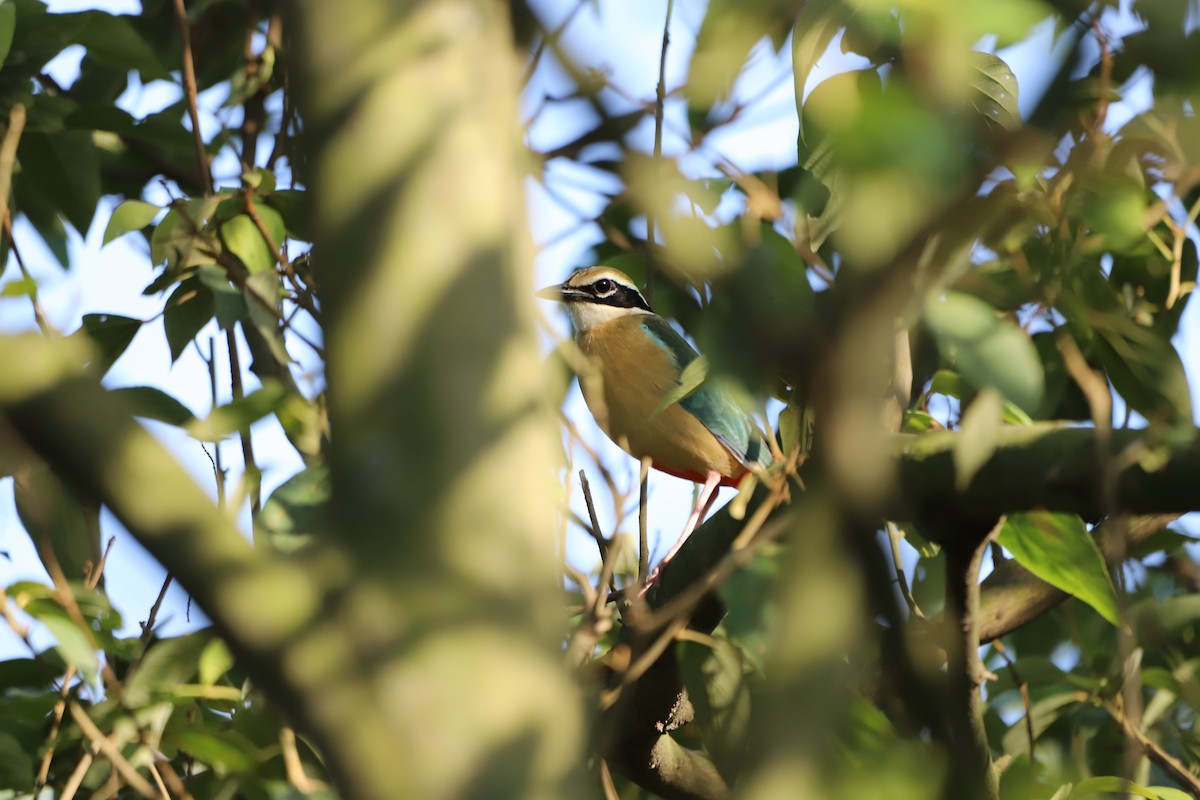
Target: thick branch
[
  {"x": 1045, "y": 466},
  {"x": 972, "y": 773}
]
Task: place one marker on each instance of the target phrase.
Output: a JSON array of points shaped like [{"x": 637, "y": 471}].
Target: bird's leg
[{"x": 708, "y": 495}]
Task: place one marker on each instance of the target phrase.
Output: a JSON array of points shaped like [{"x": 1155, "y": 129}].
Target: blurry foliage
[{"x": 1030, "y": 253}]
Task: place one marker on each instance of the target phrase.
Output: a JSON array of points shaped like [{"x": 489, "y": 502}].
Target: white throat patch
[{"x": 585, "y": 316}]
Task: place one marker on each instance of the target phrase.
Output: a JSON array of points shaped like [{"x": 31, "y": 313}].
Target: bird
[{"x": 639, "y": 360}]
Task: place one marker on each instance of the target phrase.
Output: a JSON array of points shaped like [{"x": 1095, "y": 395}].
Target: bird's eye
[{"x": 604, "y": 286}]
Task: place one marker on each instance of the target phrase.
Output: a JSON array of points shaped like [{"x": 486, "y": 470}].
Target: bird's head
[{"x": 595, "y": 295}]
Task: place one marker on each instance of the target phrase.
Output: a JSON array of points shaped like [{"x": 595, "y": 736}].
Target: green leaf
[
  {"x": 168, "y": 663},
  {"x": 113, "y": 41},
  {"x": 995, "y": 96},
  {"x": 716, "y": 681},
  {"x": 748, "y": 594},
  {"x": 817, "y": 24},
  {"x": 1058, "y": 549},
  {"x": 239, "y": 414},
  {"x": 61, "y": 527},
  {"x": 73, "y": 644},
  {"x": 976, "y": 441},
  {"x": 1146, "y": 371},
  {"x": 8, "y": 24},
  {"x": 187, "y": 311},
  {"x": 180, "y": 235},
  {"x": 1114, "y": 785},
  {"x": 689, "y": 380},
  {"x": 22, "y": 287},
  {"x": 262, "y": 293},
  {"x": 1045, "y": 712},
  {"x": 111, "y": 334},
  {"x": 298, "y": 508},
  {"x": 243, "y": 238},
  {"x": 292, "y": 205},
  {"x": 215, "y": 661},
  {"x": 986, "y": 349},
  {"x": 230, "y": 303},
  {"x": 16, "y": 764},
  {"x": 65, "y": 167},
  {"x": 227, "y": 751},
  {"x": 130, "y": 216},
  {"x": 151, "y": 403}
]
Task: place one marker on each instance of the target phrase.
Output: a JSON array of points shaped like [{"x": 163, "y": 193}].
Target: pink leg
[{"x": 708, "y": 495}]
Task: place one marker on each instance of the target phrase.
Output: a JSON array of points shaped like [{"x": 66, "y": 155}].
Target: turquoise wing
[{"x": 710, "y": 403}]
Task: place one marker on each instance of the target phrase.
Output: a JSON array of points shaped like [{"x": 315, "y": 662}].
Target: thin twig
[
  {"x": 291, "y": 760},
  {"x": 190, "y": 92},
  {"x": 91, "y": 581},
  {"x": 643, "y": 539},
  {"x": 110, "y": 751},
  {"x": 1023, "y": 687},
  {"x": 251, "y": 471},
  {"x": 1168, "y": 763},
  {"x": 8, "y": 160},
  {"x": 148, "y": 627},
  {"x": 660, "y": 99}
]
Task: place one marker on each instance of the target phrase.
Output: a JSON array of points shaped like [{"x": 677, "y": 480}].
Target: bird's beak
[{"x": 550, "y": 293}]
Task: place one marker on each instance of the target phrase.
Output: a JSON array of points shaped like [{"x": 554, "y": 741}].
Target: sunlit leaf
[
  {"x": 1058, "y": 549},
  {"x": 817, "y": 24},
  {"x": 187, "y": 311},
  {"x": 1113, "y": 785},
  {"x": 995, "y": 95},
  {"x": 215, "y": 661},
  {"x": 8, "y": 24},
  {"x": 239, "y": 414},
  {"x": 131, "y": 215},
  {"x": 243, "y": 238}
]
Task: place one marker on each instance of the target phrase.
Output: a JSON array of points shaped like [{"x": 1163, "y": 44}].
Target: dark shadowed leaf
[
  {"x": 187, "y": 311},
  {"x": 152, "y": 403},
  {"x": 61, "y": 527},
  {"x": 1058, "y": 549},
  {"x": 16, "y": 764},
  {"x": 111, "y": 334},
  {"x": 65, "y": 167},
  {"x": 298, "y": 508},
  {"x": 716, "y": 680}
]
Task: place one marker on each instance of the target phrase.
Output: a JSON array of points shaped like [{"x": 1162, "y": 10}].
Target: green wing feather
[{"x": 711, "y": 403}]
